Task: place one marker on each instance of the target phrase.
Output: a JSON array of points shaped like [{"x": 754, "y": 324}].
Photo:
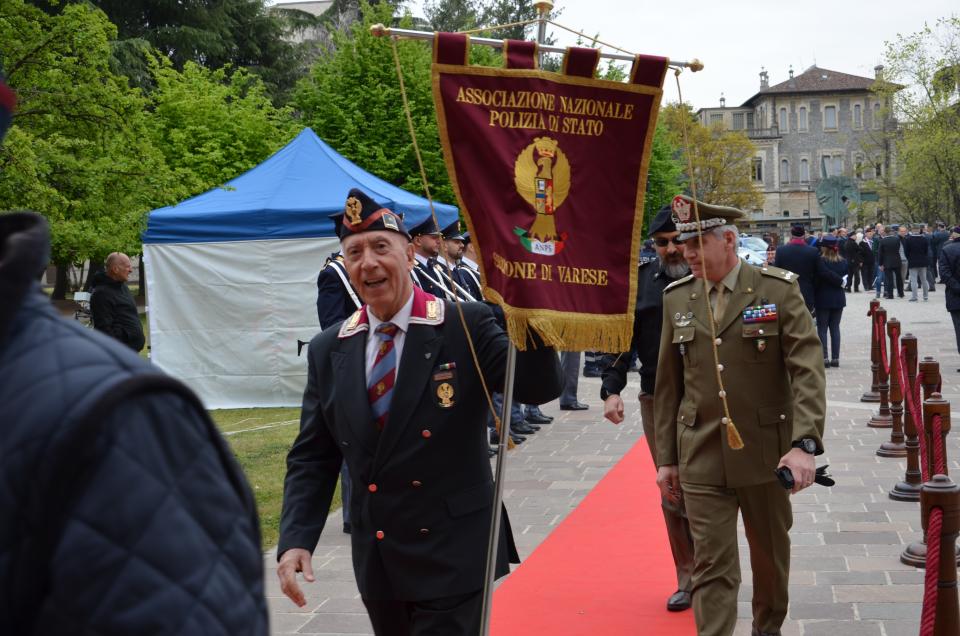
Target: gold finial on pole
[{"x": 379, "y": 30}]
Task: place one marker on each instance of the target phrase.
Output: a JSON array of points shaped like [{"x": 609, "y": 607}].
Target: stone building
[
  {"x": 315, "y": 8},
  {"x": 818, "y": 123}
]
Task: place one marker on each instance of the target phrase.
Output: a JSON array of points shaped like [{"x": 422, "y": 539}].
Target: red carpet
[{"x": 606, "y": 570}]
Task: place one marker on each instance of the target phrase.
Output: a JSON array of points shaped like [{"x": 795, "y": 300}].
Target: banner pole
[
  {"x": 410, "y": 34},
  {"x": 498, "y": 489}
]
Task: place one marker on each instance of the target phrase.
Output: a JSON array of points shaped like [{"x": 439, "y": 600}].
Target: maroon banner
[{"x": 550, "y": 172}]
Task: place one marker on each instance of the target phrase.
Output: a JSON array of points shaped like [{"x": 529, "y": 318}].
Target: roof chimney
[
  {"x": 791, "y": 71},
  {"x": 723, "y": 101},
  {"x": 878, "y": 71},
  {"x": 764, "y": 78}
]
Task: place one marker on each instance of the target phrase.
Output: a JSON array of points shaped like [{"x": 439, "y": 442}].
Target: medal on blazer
[
  {"x": 444, "y": 382},
  {"x": 761, "y": 345}
]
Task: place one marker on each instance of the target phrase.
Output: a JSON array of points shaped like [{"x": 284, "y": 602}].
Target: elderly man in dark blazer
[{"x": 394, "y": 391}]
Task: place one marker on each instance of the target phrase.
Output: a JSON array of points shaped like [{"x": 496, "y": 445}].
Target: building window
[
  {"x": 857, "y": 116},
  {"x": 858, "y": 165},
  {"x": 832, "y": 165},
  {"x": 738, "y": 121},
  {"x": 757, "y": 212},
  {"x": 756, "y": 169},
  {"x": 716, "y": 118},
  {"x": 784, "y": 171},
  {"x": 878, "y": 169},
  {"x": 829, "y": 117},
  {"x": 806, "y": 213},
  {"x": 876, "y": 115},
  {"x": 784, "y": 121},
  {"x": 802, "y": 119},
  {"x": 749, "y": 121},
  {"x": 804, "y": 171},
  {"x": 786, "y": 213}
]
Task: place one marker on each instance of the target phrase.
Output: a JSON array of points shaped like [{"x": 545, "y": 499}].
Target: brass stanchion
[
  {"x": 940, "y": 493},
  {"x": 883, "y": 418},
  {"x": 895, "y": 447},
  {"x": 909, "y": 488},
  {"x": 873, "y": 395}
]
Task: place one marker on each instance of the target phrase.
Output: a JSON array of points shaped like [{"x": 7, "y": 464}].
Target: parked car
[{"x": 753, "y": 250}]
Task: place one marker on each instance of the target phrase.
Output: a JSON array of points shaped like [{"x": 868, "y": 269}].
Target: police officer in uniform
[
  {"x": 654, "y": 275},
  {"x": 426, "y": 244},
  {"x": 394, "y": 391},
  {"x": 467, "y": 271},
  {"x": 773, "y": 387}
]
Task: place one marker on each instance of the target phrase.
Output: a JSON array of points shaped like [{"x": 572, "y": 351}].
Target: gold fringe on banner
[{"x": 566, "y": 331}]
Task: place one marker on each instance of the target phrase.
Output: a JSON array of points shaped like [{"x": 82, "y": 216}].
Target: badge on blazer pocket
[{"x": 444, "y": 385}]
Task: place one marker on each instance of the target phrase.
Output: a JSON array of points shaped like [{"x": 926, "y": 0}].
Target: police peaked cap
[
  {"x": 363, "y": 214},
  {"x": 662, "y": 222},
  {"x": 452, "y": 232},
  {"x": 427, "y": 227}
]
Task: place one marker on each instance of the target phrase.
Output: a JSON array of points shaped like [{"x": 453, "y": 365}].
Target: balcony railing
[{"x": 762, "y": 133}]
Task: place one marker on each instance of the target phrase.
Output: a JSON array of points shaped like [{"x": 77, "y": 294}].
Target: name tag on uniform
[
  {"x": 760, "y": 313},
  {"x": 444, "y": 382}
]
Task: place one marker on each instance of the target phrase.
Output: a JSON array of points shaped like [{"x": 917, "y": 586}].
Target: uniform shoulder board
[
  {"x": 677, "y": 283},
  {"x": 779, "y": 273},
  {"x": 643, "y": 264}
]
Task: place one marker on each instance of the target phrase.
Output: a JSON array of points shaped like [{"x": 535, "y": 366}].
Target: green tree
[
  {"x": 665, "y": 176},
  {"x": 212, "y": 125},
  {"x": 922, "y": 75},
  {"x": 213, "y": 33},
  {"x": 78, "y": 151},
  {"x": 720, "y": 159},
  {"x": 367, "y": 125}
]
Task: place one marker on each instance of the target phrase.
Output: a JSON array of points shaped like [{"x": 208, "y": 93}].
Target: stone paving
[{"x": 846, "y": 576}]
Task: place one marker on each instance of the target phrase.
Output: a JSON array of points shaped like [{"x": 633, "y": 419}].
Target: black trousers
[
  {"x": 956, "y": 326},
  {"x": 853, "y": 276},
  {"x": 889, "y": 273},
  {"x": 451, "y": 616},
  {"x": 829, "y": 319}
]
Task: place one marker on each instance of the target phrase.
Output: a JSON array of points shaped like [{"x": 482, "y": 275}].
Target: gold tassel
[{"x": 733, "y": 436}]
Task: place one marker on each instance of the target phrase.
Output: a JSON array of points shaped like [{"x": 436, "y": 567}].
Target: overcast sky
[{"x": 735, "y": 38}]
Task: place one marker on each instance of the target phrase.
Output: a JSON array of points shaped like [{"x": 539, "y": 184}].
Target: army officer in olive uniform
[
  {"x": 394, "y": 391},
  {"x": 769, "y": 359}
]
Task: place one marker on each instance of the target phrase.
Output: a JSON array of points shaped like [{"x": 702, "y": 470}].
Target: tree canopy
[
  {"x": 923, "y": 89},
  {"x": 720, "y": 159}
]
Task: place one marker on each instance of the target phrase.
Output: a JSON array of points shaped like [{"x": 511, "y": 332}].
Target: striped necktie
[{"x": 381, "y": 378}]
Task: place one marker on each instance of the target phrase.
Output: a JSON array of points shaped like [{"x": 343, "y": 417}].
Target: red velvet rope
[
  {"x": 939, "y": 460},
  {"x": 921, "y": 429},
  {"x": 928, "y": 617},
  {"x": 881, "y": 324}
]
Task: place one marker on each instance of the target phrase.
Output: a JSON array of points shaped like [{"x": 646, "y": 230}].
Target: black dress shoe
[
  {"x": 346, "y": 528},
  {"x": 533, "y": 418},
  {"x": 576, "y": 406},
  {"x": 679, "y": 601},
  {"x": 491, "y": 452},
  {"x": 517, "y": 439},
  {"x": 494, "y": 438},
  {"x": 834, "y": 363},
  {"x": 522, "y": 429}
]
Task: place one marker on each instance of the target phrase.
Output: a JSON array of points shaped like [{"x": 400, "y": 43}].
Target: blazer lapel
[
  {"x": 420, "y": 351},
  {"x": 352, "y": 403},
  {"x": 740, "y": 298}
]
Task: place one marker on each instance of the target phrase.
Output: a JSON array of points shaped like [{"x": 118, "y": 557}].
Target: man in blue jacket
[{"x": 803, "y": 260}]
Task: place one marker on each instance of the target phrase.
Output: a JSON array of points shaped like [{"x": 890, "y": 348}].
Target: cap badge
[
  {"x": 390, "y": 222},
  {"x": 681, "y": 209},
  {"x": 352, "y": 210}
]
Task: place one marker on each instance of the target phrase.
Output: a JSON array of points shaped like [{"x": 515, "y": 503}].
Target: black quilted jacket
[{"x": 121, "y": 509}]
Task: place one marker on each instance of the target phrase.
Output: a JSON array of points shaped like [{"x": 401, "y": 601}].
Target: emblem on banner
[{"x": 542, "y": 178}]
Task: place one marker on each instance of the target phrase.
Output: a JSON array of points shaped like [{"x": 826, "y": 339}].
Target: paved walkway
[{"x": 846, "y": 576}]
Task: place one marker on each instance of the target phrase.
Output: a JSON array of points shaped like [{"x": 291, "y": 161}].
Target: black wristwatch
[{"x": 806, "y": 444}]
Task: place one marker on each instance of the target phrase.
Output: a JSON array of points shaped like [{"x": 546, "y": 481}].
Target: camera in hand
[{"x": 785, "y": 477}]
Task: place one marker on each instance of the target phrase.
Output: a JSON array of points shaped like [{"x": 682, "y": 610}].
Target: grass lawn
[{"x": 262, "y": 454}]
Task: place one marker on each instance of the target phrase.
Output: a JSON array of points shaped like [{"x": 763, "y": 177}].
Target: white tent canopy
[{"x": 231, "y": 274}]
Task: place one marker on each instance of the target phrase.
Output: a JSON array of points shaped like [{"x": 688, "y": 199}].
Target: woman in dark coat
[{"x": 830, "y": 300}]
